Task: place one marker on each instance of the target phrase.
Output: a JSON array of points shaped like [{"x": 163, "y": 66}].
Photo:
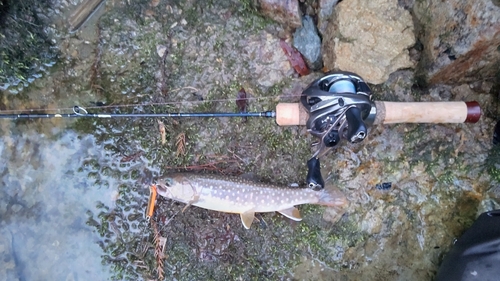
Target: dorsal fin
[
  {"x": 247, "y": 218},
  {"x": 291, "y": 213}
]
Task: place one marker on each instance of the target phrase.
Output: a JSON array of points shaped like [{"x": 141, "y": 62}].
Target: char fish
[{"x": 244, "y": 197}]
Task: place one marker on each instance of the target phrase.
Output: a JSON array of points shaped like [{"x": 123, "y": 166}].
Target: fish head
[
  {"x": 331, "y": 197},
  {"x": 176, "y": 187}
]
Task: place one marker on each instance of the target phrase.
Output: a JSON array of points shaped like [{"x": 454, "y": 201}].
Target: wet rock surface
[
  {"x": 86, "y": 182},
  {"x": 22, "y": 60},
  {"x": 460, "y": 40},
  {"x": 371, "y": 40}
]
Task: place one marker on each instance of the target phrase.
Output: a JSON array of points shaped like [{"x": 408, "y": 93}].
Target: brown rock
[
  {"x": 461, "y": 40},
  {"x": 285, "y": 12},
  {"x": 369, "y": 38}
]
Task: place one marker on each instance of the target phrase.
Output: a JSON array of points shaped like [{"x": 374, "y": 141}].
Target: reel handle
[{"x": 293, "y": 114}]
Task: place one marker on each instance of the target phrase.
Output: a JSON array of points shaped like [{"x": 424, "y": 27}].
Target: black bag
[{"x": 476, "y": 255}]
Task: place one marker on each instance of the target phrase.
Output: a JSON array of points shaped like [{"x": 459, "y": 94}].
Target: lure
[{"x": 151, "y": 202}]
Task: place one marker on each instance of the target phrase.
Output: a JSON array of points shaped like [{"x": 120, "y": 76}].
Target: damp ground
[{"x": 74, "y": 192}]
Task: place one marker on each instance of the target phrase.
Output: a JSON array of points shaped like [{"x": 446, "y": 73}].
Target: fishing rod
[
  {"x": 79, "y": 111},
  {"x": 335, "y": 108}
]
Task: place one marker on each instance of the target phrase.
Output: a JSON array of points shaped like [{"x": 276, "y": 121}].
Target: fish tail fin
[{"x": 331, "y": 196}]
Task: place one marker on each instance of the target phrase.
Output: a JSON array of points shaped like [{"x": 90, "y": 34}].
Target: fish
[{"x": 244, "y": 197}]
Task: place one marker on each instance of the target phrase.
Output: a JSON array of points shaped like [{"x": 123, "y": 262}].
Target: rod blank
[{"x": 81, "y": 112}]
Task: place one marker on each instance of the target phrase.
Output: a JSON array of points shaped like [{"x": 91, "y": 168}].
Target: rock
[
  {"x": 333, "y": 214},
  {"x": 325, "y": 10},
  {"x": 460, "y": 40},
  {"x": 308, "y": 43},
  {"x": 372, "y": 222},
  {"x": 160, "y": 50},
  {"x": 440, "y": 92},
  {"x": 496, "y": 134},
  {"x": 462, "y": 92},
  {"x": 285, "y": 12},
  {"x": 369, "y": 38},
  {"x": 269, "y": 64}
]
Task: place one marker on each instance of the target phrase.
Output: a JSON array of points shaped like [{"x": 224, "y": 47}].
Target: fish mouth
[{"x": 162, "y": 188}]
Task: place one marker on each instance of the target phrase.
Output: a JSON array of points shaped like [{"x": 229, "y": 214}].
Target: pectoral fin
[
  {"x": 247, "y": 219},
  {"x": 291, "y": 213}
]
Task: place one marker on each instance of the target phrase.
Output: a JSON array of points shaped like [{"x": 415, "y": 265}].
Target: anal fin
[
  {"x": 291, "y": 213},
  {"x": 247, "y": 218}
]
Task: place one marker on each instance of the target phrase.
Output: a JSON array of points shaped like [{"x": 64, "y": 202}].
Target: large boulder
[
  {"x": 460, "y": 38},
  {"x": 370, "y": 38}
]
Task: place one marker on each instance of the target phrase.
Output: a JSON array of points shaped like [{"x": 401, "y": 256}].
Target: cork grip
[
  {"x": 427, "y": 112},
  {"x": 291, "y": 114}
]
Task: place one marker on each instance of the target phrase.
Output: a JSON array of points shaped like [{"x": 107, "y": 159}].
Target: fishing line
[
  {"x": 59, "y": 109},
  {"x": 82, "y": 112}
]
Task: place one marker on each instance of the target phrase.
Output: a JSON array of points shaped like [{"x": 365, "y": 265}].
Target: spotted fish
[{"x": 244, "y": 197}]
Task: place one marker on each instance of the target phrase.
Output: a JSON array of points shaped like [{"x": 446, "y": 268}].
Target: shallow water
[{"x": 44, "y": 202}]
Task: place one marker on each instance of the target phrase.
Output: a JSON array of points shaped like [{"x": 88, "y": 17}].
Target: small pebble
[{"x": 160, "y": 50}]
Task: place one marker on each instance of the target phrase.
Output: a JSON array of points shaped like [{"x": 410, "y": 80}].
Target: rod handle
[
  {"x": 427, "y": 112},
  {"x": 293, "y": 114}
]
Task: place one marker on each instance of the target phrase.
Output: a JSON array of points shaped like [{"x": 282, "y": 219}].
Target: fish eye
[{"x": 168, "y": 182}]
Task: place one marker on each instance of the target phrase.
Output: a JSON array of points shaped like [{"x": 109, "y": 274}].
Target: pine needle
[
  {"x": 159, "y": 243},
  {"x": 181, "y": 144}
]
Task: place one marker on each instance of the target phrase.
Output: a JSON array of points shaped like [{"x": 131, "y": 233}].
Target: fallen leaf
[
  {"x": 242, "y": 100},
  {"x": 295, "y": 58}
]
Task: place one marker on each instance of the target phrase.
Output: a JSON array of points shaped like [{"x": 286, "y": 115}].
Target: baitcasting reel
[{"x": 339, "y": 107}]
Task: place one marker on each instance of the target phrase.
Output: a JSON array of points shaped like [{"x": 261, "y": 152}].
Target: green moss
[
  {"x": 492, "y": 165},
  {"x": 26, "y": 47},
  {"x": 253, "y": 20}
]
